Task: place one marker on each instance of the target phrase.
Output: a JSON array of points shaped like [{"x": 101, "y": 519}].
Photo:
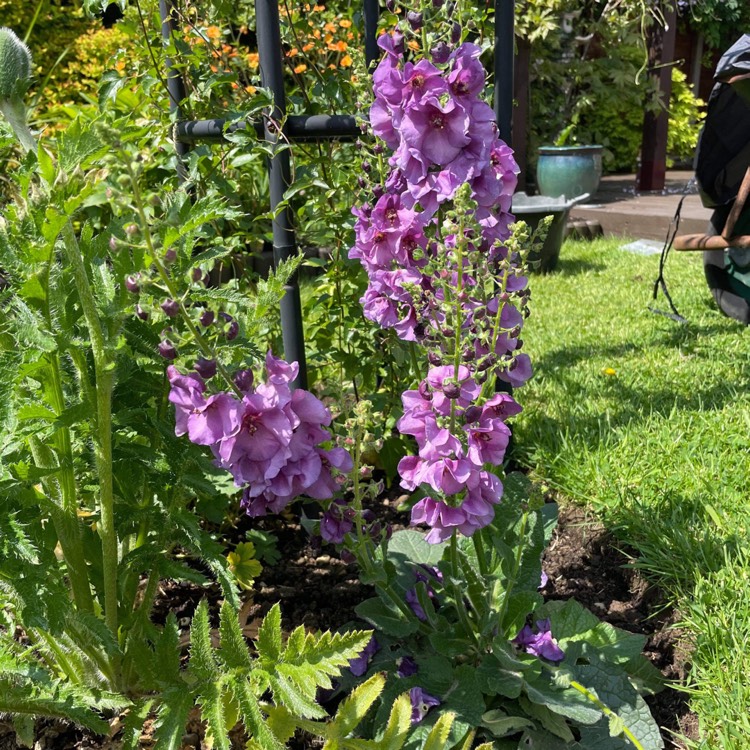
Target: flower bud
[
  {"x": 244, "y": 380},
  {"x": 451, "y": 390},
  {"x": 206, "y": 368},
  {"x": 440, "y": 52},
  {"x": 468, "y": 354},
  {"x": 131, "y": 284},
  {"x": 113, "y": 245},
  {"x": 378, "y": 149},
  {"x": 170, "y": 255},
  {"x": 362, "y": 182},
  {"x": 196, "y": 275},
  {"x": 390, "y": 5},
  {"x": 472, "y": 414},
  {"x": 456, "y": 33},
  {"x": 131, "y": 230},
  {"x": 171, "y": 307},
  {"x": 347, "y": 557},
  {"x": 207, "y": 318},
  {"x": 424, "y": 390},
  {"x": 434, "y": 359},
  {"x": 167, "y": 350},
  {"x": 415, "y": 20},
  {"x": 141, "y": 313},
  {"x": 15, "y": 66}
]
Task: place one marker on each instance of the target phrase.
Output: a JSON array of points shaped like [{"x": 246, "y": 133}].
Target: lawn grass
[{"x": 648, "y": 422}]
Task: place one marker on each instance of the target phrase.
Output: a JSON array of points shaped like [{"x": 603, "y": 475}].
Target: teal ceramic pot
[{"x": 568, "y": 170}]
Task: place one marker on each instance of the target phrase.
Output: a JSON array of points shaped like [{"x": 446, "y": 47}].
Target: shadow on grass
[{"x": 576, "y": 266}]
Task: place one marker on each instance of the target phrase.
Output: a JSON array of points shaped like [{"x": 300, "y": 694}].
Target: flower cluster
[
  {"x": 432, "y": 243},
  {"x": 269, "y": 439}
]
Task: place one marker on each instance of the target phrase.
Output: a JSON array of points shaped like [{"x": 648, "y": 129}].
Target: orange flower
[
  {"x": 292, "y": 52},
  {"x": 345, "y": 23},
  {"x": 413, "y": 44},
  {"x": 308, "y": 47},
  {"x": 319, "y": 8},
  {"x": 341, "y": 46},
  {"x": 253, "y": 60},
  {"x": 346, "y": 61},
  {"x": 213, "y": 33},
  {"x": 250, "y": 90},
  {"x": 300, "y": 68},
  {"x": 330, "y": 27}
]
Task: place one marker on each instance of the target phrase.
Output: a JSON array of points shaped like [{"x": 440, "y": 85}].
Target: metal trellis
[{"x": 309, "y": 127}]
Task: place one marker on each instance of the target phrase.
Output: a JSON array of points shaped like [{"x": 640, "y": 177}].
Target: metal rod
[
  {"x": 371, "y": 12},
  {"x": 504, "y": 53},
  {"x": 297, "y": 128},
  {"x": 279, "y": 177},
  {"x": 175, "y": 84}
]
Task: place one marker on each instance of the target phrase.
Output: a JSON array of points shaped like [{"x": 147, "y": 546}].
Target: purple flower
[
  {"x": 421, "y": 703},
  {"x": 434, "y": 131},
  {"x": 540, "y": 643},
  {"x": 358, "y": 666},
  {"x": 336, "y": 522},
  {"x": 406, "y": 667}
]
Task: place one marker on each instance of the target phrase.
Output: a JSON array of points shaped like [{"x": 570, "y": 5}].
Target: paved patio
[{"x": 622, "y": 212}]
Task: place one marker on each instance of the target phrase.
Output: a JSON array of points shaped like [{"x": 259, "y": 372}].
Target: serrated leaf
[
  {"x": 399, "y": 723},
  {"x": 269, "y": 643},
  {"x": 133, "y": 724},
  {"x": 233, "y": 649},
  {"x": 167, "y": 651},
  {"x": 202, "y": 660},
  {"x": 253, "y": 718},
  {"x": 353, "y": 709},
  {"x": 77, "y": 146},
  {"x": 438, "y": 736},
  {"x": 172, "y": 717}
]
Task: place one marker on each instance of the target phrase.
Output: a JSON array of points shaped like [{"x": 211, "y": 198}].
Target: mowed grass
[{"x": 648, "y": 422}]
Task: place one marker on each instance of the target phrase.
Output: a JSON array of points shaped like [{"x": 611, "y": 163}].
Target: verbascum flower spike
[{"x": 15, "y": 77}]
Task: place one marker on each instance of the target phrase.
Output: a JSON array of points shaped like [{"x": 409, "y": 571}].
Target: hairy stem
[{"x": 104, "y": 377}]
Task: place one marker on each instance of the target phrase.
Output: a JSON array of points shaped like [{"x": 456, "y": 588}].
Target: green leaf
[
  {"x": 438, "y": 736},
  {"x": 387, "y": 618},
  {"x": 46, "y": 165},
  {"x": 269, "y": 643},
  {"x": 171, "y": 718},
  {"x": 399, "y": 723},
  {"x": 568, "y": 702},
  {"x": 252, "y": 716},
  {"x": 133, "y": 725},
  {"x": 356, "y": 705},
  {"x": 78, "y": 146},
  {"x": 501, "y": 725},
  {"x": 109, "y": 85},
  {"x": 202, "y": 660},
  {"x": 233, "y": 650}
]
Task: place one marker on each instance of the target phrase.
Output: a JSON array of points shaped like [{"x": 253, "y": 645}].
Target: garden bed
[{"x": 318, "y": 590}]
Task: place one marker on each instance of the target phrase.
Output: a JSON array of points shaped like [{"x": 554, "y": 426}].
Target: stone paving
[{"x": 623, "y": 212}]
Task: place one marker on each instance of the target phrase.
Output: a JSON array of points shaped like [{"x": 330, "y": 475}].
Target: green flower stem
[
  {"x": 66, "y": 526},
  {"x": 478, "y": 542},
  {"x": 516, "y": 568},
  {"x": 15, "y": 114},
  {"x": 204, "y": 346},
  {"x": 463, "y": 615},
  {"x": 606, "y": 710},
  {"x": 104, "y": 376}
]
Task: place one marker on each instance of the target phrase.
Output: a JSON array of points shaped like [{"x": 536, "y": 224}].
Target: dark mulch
[{"x": 317, "y": 590}]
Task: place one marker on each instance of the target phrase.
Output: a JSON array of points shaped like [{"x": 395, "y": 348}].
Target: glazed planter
[{"x": 568, "y": 170}]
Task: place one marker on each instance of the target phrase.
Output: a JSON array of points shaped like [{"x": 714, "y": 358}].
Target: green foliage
[{"x": 484, "y": 594}]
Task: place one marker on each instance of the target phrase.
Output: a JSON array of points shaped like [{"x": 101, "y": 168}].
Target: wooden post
[{"x": 652, "y": 173}]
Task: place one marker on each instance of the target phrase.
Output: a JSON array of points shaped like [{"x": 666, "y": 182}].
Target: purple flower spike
[
  {"x": 359, "y": 665},
  {"x": 421, "y": 703}
]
